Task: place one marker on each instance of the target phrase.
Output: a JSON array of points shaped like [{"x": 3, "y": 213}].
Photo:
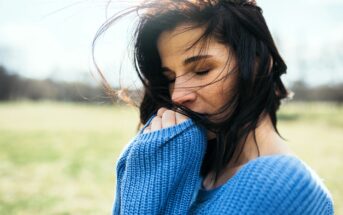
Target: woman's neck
[{"x": 267, "y": 142}]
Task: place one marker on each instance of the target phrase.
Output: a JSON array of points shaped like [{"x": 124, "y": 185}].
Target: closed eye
[{"x": 202, "y": 72}]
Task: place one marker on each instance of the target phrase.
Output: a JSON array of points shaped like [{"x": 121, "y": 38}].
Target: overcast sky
[{"x": 52, "y": 38}]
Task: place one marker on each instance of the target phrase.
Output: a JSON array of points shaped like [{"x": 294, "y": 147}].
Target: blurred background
[{"x": 60, "y": 134}]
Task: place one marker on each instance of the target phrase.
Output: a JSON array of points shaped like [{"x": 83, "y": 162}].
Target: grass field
[{"x": 58, "y": 158}]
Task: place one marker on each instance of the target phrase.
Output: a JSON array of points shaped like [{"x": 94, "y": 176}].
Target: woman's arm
[{"x": 159, "y": 171}]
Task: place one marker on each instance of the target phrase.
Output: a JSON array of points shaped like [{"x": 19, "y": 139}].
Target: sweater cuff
[{"x": 168, "y": 133}]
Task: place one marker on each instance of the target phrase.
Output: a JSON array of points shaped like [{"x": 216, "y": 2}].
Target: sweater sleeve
[
  {"x": 159, "y": 171},
  {"x": 275, "y": 185}
]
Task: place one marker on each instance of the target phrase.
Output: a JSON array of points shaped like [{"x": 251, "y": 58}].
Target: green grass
[{"x": 59, "y": 158}]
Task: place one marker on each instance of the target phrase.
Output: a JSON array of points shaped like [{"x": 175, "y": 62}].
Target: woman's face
[{"x": 188, "y": 70}]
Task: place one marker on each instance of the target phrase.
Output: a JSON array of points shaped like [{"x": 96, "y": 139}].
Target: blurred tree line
[
  {"x": 14, "y": 87},
  {"x": 327, "y": 93}
]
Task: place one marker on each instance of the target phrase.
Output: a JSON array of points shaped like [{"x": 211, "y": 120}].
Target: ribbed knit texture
[{"x": 159, "y": 173}]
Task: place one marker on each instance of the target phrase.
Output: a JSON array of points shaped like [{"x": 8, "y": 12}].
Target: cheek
[
  {"x": 213, "y": 94},
  {"x": 221, "y": 86},
  {"x": 221, "y": 91},
  {"x": 227, "y": 86}
]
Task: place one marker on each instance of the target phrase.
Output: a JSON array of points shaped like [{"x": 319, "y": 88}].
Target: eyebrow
[
  {"x": 190, "y": 60},
  {"x": 195, "y": 58}
]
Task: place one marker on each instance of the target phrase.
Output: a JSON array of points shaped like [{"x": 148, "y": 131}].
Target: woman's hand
[{"x": 165, "y": 118}]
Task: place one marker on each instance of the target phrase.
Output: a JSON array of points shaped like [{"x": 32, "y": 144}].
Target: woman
[{"x": 210, "y": 145}]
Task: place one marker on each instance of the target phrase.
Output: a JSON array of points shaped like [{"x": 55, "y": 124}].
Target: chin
[{"x": 203, "y": 114}]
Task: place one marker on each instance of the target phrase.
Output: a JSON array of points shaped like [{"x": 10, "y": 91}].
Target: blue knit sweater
[{"x": 159, "y": 173}]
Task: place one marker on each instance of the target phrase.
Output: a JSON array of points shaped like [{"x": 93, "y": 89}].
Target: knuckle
[
  {"x": 183, "y": 116},
  {"x": 168, "y": 113},
  {"x": 161, "y": 109},
  {"x": 156, "y": 119},
  {"x": 180, "y": 117}
]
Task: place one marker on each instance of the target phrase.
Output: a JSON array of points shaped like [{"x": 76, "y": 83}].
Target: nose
[{"x": 183, "y": 95}]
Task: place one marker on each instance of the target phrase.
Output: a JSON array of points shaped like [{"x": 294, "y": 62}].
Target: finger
[
  {"x": 168, "y": 118},
  {"x": 180, "y": 117},
  {"x": 156, "y": 123},
  {"x": 146, "y": 130},
  {"x": 161, "y": 111}
]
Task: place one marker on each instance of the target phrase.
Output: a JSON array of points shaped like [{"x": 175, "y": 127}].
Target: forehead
[
  {"x": 173, "y": 44},
  {"x": 178, "y": 39}
]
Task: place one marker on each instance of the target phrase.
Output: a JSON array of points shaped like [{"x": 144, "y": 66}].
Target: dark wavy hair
[{"x": 258, "y": 89}]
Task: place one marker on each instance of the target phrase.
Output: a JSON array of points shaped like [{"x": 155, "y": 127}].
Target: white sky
[{"x": 52, "y": 38}]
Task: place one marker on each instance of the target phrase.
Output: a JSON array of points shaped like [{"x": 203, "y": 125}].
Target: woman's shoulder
[
  {"x": 270, "y": 184},
  {"x": 285, "y": 165},
  {"x": 283, "y": 169},
  {"x": 277, "y": 164},
  {"x": 283, "y": 180}
]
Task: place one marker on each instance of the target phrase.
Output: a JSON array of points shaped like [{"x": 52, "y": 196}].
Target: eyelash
[
  {"x": 201, "y": 73},
  {"x": 204, "y": 72}
]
